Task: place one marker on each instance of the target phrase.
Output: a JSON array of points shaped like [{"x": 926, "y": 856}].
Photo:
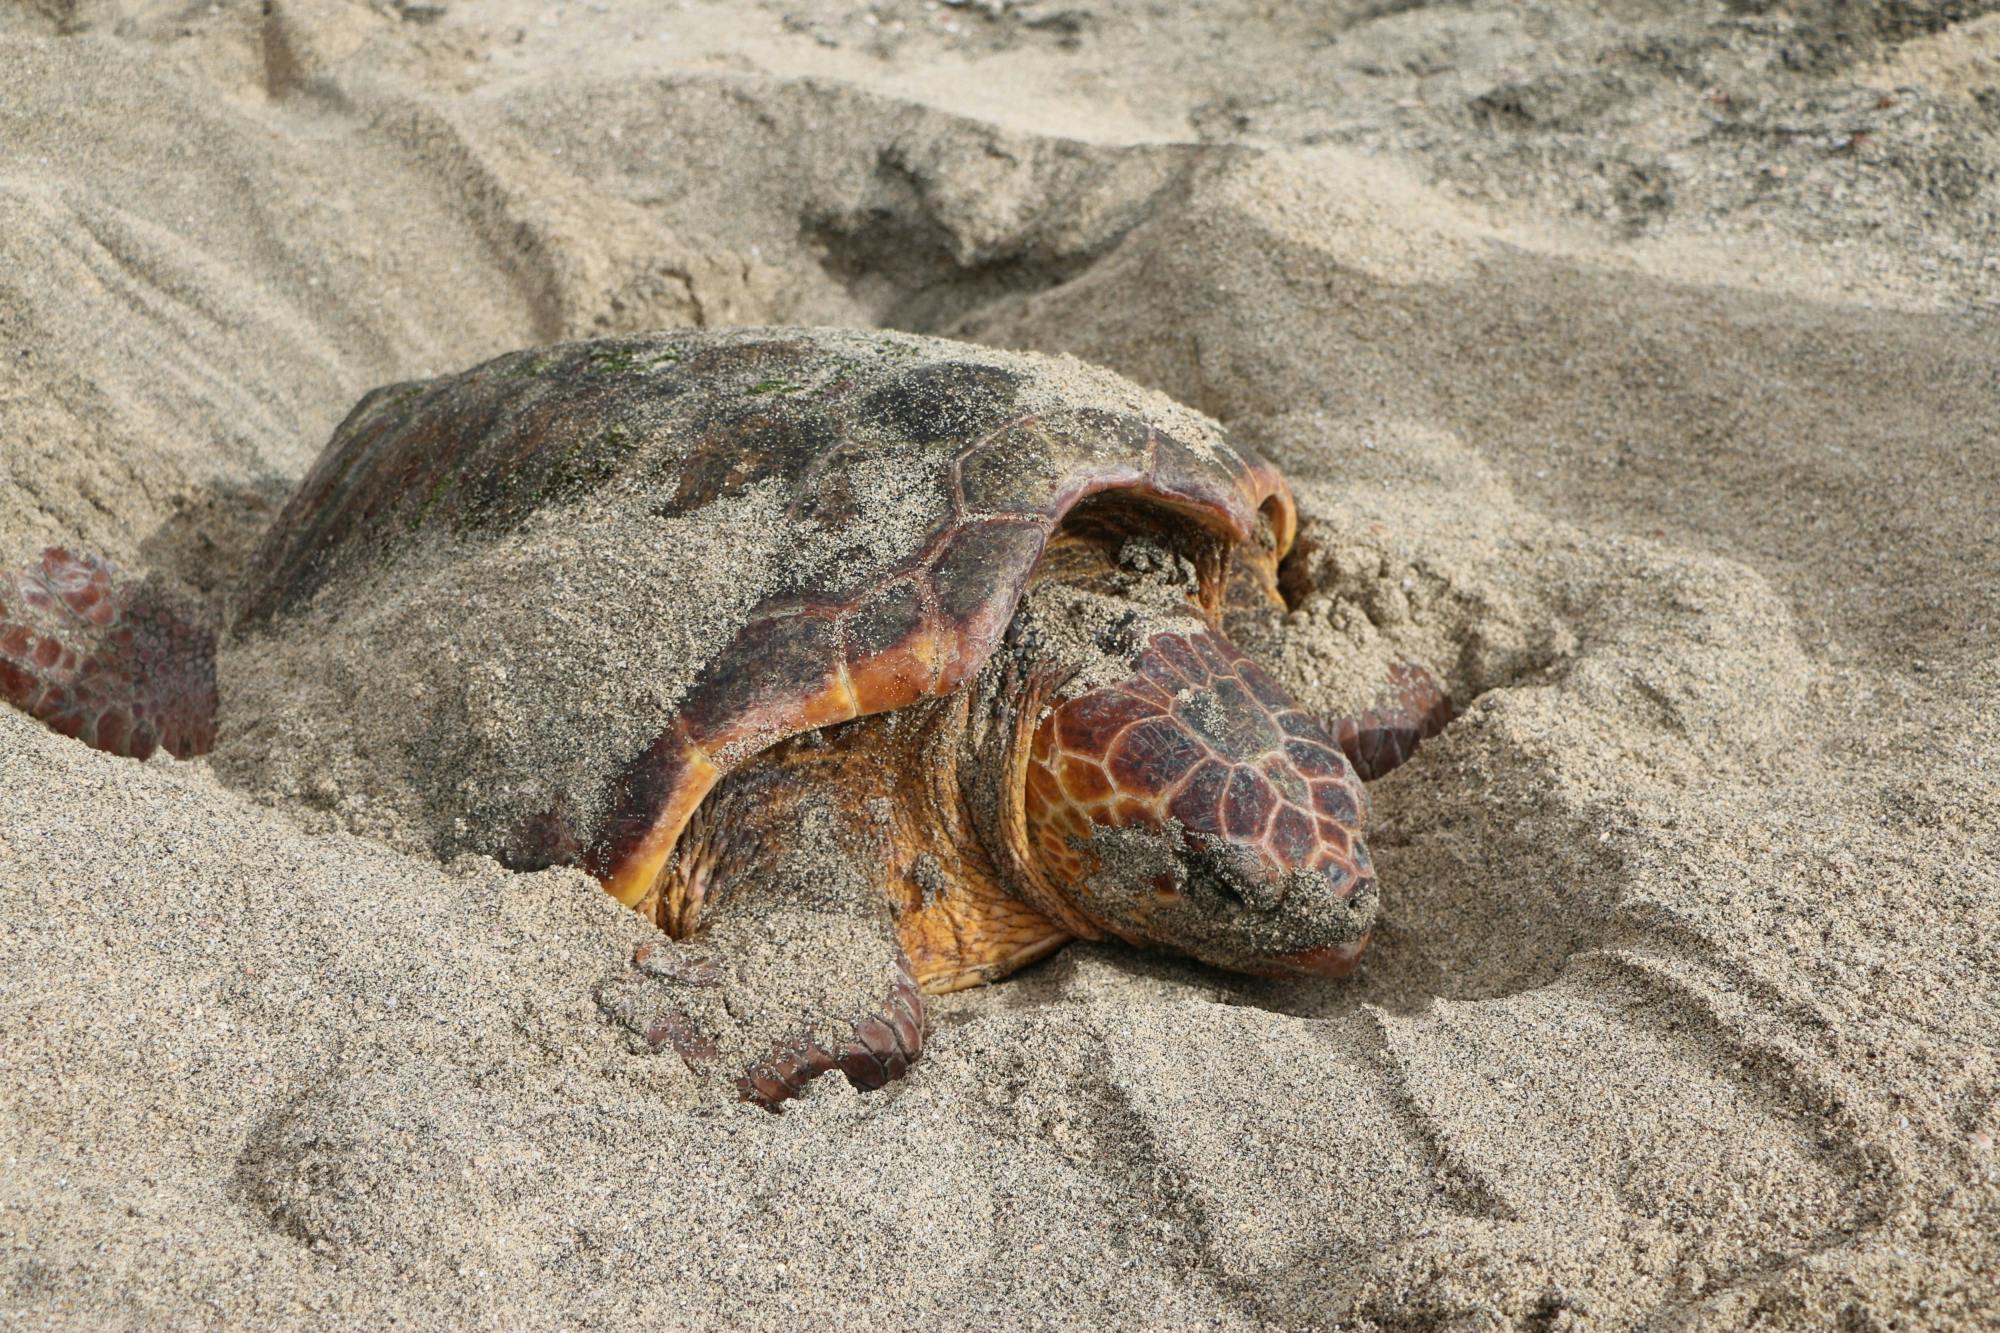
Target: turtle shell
[{"x": 906, "y": 486}]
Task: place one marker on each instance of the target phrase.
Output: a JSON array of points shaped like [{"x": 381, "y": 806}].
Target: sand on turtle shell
[
  {"x": 1635, "y": 368},
  {"x": 450, "y": 675}
]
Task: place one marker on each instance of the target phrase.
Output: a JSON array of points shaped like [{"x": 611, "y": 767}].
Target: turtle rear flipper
[{"x": 115, "y": 662}]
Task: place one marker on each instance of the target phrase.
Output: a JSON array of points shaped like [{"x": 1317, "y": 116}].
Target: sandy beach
[{"x": 1635, "y": 366}]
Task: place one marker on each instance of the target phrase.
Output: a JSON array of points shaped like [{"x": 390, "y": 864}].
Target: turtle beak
[
  {"x": 1330, "y": 960},
  {"x": 1333, "y": 960}
]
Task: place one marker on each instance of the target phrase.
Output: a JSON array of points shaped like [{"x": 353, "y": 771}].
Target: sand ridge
[{"x": 1635, "y": 367}]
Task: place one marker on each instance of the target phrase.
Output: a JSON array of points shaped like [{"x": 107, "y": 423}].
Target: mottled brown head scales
[{"x": 1194, "y": 804}]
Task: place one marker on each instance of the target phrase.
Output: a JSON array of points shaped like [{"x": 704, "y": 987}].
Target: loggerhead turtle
[{"x": 962, "y": 693}]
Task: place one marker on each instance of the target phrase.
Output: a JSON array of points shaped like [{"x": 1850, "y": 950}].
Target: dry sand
[{"x": 1637, "y": 365}]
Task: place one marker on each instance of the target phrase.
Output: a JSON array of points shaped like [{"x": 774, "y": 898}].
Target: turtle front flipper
[
  {"x": 113, "y": 661},
  {"x": 1412, "y": 710},
  {"x": 710, "y": 1002},
  {"x": 784, "y": 891}
]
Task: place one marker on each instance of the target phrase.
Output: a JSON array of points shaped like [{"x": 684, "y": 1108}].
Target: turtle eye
[
  {"x": 1221, "y": 888},
  {"x": 1233, "y": 875}
]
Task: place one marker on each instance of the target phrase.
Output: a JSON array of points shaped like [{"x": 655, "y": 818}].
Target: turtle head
[{"x": 1194, "y": 806}]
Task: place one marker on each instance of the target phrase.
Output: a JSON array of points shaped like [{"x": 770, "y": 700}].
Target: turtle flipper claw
[
  {"x": 882, "y": 1049},
  {"x": 715, "y": 1019},
  {"x": 657, "y": 1001}
]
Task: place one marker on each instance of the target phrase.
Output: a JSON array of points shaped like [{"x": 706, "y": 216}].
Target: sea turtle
[{"x": 866, "y": 665}]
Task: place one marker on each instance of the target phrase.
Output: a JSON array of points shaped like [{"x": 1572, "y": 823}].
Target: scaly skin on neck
[{"x": 959, "y": 922}]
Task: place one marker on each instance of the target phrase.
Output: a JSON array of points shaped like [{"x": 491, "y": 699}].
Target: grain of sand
[{"x": 1637, "y": 367}]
